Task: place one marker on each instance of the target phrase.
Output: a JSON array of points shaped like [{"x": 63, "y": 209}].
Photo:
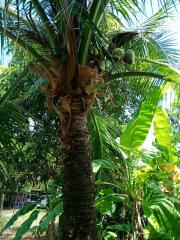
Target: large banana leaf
[
  {"x": 137, "y": 130},
  {"x": 161, "y": 213},
  {"x": 162, "y": 130}
]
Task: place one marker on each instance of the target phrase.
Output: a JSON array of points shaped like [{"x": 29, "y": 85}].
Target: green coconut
[
  {"x": 129, "y": 57},
  {"x": 118, "y": 53}
]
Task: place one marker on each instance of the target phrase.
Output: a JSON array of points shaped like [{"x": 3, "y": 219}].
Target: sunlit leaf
[
  {"x": 137, "y": 130},
  {"x": 101, "y": 163},
  {"x": 162, "y": 130},
  {"x": 25, "y": 227},
  {"x": 27, "y": 208}
]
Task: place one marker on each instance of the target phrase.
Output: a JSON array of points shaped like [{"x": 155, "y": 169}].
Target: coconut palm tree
[{"x": 67, "y": 44}]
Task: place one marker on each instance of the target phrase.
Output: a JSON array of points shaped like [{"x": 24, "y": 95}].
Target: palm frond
[
  {"x": 150, "y": 36},
  {"x": 49, "y": 28},
  {"x": 176, "y": 79},
  {"x": 97, "y": 10},
  {"x": 103, "y": 132},
  {"x": 10, "y": 110},
  {"x": 14, "y": 85}
]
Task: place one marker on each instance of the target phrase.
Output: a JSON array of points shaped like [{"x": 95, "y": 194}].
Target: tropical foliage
[{"x": 86, "y": 64}]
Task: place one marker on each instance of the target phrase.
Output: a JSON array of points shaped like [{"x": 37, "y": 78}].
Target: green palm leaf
[
  {"x": 27, "y": 208},
  {"x": 25, "y": 227},
  {"x": 103, "y": 132}
]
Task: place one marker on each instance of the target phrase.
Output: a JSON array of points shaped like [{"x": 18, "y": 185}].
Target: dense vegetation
[{"x": 84, "y": 90}]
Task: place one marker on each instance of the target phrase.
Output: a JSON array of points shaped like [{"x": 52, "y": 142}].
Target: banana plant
[
  {"x": 161, "y": 212},
  {"x": 137, "y": 130}
]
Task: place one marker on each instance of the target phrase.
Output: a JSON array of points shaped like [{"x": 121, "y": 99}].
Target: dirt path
[{"x": 9, "y": 234}]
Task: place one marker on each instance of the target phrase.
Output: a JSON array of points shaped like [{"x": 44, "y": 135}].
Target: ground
[{"x": 10, "y": 234}]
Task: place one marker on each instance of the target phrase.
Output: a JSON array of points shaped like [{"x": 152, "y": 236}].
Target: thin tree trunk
[
  {"x": 79, "y": 212},
  {"x": 51, "y": 227},
  {"x": 1, "y": 205},
  {"x": 50, "y": 232}
]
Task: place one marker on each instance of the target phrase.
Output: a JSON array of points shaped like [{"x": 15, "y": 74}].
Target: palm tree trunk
[{"x": 79, "y": 212}]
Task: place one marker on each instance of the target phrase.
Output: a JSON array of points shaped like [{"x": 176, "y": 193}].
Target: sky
[{"x": 173, "y": 24}]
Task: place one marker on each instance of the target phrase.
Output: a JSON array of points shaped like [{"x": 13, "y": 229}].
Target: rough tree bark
[
  {"x": 79, "y": 211},
  {"x": 74, "y": 89}
]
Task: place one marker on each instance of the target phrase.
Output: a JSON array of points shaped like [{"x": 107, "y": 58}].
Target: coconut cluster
[{"x": 124, "y": 56}]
